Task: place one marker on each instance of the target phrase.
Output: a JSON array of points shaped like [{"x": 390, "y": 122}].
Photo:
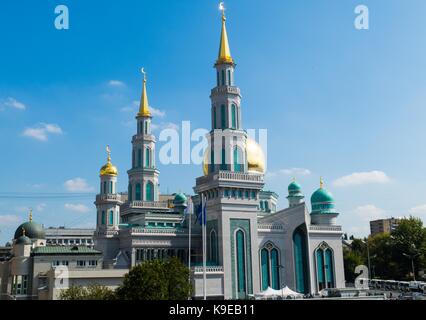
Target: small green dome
[
  {"x": 180, "y": 198},
  {"x": 294, "y": 186},
  {"x": 23, "y": 240},
  {"x": 321, "y": 196},
  {"x": 33, "y": 230}
]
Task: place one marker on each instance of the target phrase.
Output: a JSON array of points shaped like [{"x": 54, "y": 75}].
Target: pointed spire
[
  {"x": 224, "y": 50},
  {"x": 144, "y": 107},
  {"x": 108, "y": 150},
  {"x": 321, "y": 183},
  {"x": 30, "y": 218}
]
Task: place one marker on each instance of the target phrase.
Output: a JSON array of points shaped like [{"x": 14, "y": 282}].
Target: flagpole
[
  {"x": 204, "y": 251},
  {"x": 189, "y": 241}
]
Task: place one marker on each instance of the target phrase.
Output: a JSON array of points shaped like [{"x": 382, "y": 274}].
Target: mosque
[{"x": 250, "y": 245}]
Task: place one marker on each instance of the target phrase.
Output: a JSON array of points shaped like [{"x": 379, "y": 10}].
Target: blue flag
[{"x": 201, "y": 213}]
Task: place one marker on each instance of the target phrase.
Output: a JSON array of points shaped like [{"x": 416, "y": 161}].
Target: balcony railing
[
  {"x": 325, "y": 228},
  {"x": 270, "y": 226},
  {"x": 149, "y": 204},
  {"x": 103, "y": 197},
  {"x": 231, "y": 176},
  {"x": 210, "y": 269},
  {"x": 143, "y": 230}
]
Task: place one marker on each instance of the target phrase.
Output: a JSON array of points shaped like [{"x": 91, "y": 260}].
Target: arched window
[
  {"x": 130, "y": 191},
  {"x": 223, "y": 165},
  {"x": 105, "y": 187},
  {"x": 111, "y": 190},
  {"x": 217, "y": 78},
  {"x": 264, "y": 256},
  {"x": 147, "y": 157},
  {"x": 329, "y": 268},
  {"x": 241, "y": 263},
  {"x": 149, "y": 191},
  {"x": 223, "y": 116},
  {"x": 146, "y": 127},
  {"x": 325, "y": 266},
  {"x": 266, "y": 206},
  {"x": 320, "y": 269},
  {"x": 214, "y": 118},
  {"x": 213, "y": 246},
  {"x": 223, "y": 77},
  {"x": 234, "y": 116},
  {"x": 300, "y": 264},
  {"x": 238, "y": 167},
  {"x": 275, "y": 279},
  {"x": 133, "y": 158},
  {"x": 111, "y": 218},
  {"x": 103, "y": 218},
  {"x": 139, "y": 158},
  {"x": 229, "y": 78},
  {"x": 211, "y": 166},
  {"x": 138, "y": 192}
]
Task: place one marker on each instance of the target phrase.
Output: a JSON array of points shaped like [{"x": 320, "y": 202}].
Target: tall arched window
[
  {"x": 133, "y": 158},
  {"x": 238, "y": 167},
  {"x": 275, "y": 266},
  {"x": 300, "y": 265},
  {"x": 103, "y": 218},
  {"x": 105, "y": 187},
  {"x": 234, "y": 116},
  {"x": 329, "y": 267},
  {"x": 217, "y": 78},
  {"x": 111, "y": 218},
  {"x": 139, "y": 158},
  {"x": 320, "y": 269},
  {"x": 130, "y": 191},
  {"x": 138, "y": 192},
  {"x": 213, "y": 246},
  {"x": 241, "y": 263},
  {"x": 264, "y": 256},
  {"x": 325, "y": 266},
  {"x": 147, "y": 157},
  {"x": 214, "y": 118},
  {"x": 149, "y": 191},
  {"x": 223, "y": 116},
  {"x": 229, "y": 78},
  {"x": 223, "y": 165},
  {"x": 223, "y": 77},
  {"x": 211, "y": 166},
  {"x": 111, "y": 190}
]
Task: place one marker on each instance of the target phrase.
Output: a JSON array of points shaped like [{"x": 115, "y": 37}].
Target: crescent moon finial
[{"x": 144, "y": 73}]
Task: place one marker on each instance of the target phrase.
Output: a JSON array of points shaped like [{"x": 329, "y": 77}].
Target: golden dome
[
  {"x": 255, "y": 158},
  {"x": 109, "y": 169}
]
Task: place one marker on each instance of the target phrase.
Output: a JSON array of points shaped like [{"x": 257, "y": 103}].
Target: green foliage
[
  {"x": 156, "y": 280},
  {"x": 390, "y": 254},
  {"x": 92, "y": 292}
]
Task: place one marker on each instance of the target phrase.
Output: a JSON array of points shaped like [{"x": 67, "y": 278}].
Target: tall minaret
[
  {"x": 143, "y": 176},
  {"x": 229, "y": 188},
  {"x": 229, "y": 152}
]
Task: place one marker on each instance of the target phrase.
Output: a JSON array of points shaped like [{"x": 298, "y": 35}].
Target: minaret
[
  {"x": 295, "y": 195},
  {"x": 229, "y": 187},
  {"x": 108, "y": 201},
  {"x": 228, "y": 140},
  {"x": 143, "y": 176}
]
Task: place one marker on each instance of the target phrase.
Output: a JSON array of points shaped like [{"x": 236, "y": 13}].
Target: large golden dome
[
  {"x": 109, "y": 169},
  {"x": 255, "y": 158}
]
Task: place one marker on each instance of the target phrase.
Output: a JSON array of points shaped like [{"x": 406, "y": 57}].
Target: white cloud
[
  {"x": 116, "y": 83},
  {"x": 420, "y": 209},
  {"x": 42, "y": 131},
  {"x": 165, "y": 125},
  {"x": 369, "y": 212},
  {"x": 40, "y": 207},
  {"x": 360, "y": 178},
  {"x": 13, "y": 103},
  {"x": 9, "y": 220},
  {"x": 294, "y": 172},
  {"x": 77, "y": 207},
  {"x": 78, "y": 185},
  {"x": 134, "y": 106}
]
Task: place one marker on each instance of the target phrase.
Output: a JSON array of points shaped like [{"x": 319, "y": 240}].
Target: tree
[
  {"x": 351, "y": 260},
  {"x": 156, "y": 280},
  {"x": 92, "y": 292}
]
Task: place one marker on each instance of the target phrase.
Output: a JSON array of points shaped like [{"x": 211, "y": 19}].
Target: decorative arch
[
  {"x": 324, "y": 262},
  {"x": 241, "y": 262},
  {"x": 138, "y": 195},
  {"x": 238, "y": 157},
  {"x": 147, "y": 157},
  {"x": 213, "y": 246},
  {"x": 270, "y": 265},
  {"x": 149, "y": 192},
  {"x": 300, "y": 260}
]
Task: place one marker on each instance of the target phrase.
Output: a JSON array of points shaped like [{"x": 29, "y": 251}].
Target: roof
[{"x": 59, "y": 250}]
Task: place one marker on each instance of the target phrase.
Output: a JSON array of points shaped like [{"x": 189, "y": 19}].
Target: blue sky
[{"x": 338, "y": 102}]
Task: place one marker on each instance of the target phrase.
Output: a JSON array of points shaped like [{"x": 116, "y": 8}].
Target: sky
[{"x": 337, "y": 102}]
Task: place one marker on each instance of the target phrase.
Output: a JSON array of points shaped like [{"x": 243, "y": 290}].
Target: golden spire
[
  {"x": 30, "y": 218},
  {"x": 321, "y": 183},
  {"x": 143, "y": 107},
  {"x": 224, "y": 51}
]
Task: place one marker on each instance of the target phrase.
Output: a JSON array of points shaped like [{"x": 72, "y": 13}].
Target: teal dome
[
  {"x": 23, "y": 240},
  {"x": 321, "y": 196},
  {"x": 294, "y": 186},
  {"x": 179, "y": 199},
  {"x": 33, "y": 230}
]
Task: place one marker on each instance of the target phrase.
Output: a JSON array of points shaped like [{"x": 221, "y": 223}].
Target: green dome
[
  {"x": 23, "y": 240},
  {"x": 33, "y": 230},
  {"x": 321, "y": 196},
  {"x": 294, "y": 186},
  {"x": 180, "y": 198}
]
